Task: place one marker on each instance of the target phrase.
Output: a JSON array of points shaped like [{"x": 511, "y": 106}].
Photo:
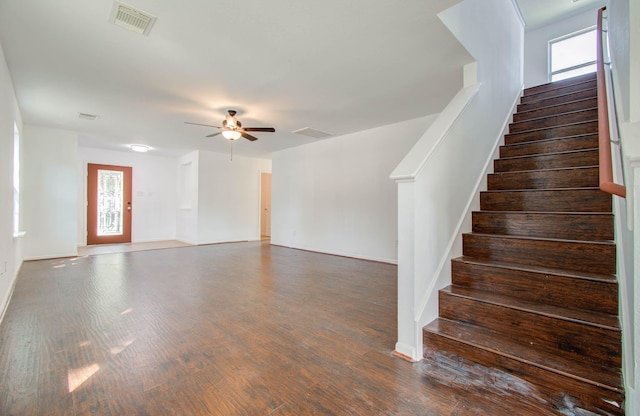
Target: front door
[{"x": 108, "y": 204}]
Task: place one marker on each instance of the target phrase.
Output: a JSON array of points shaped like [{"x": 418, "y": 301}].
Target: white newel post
[{"x": 408, "y": 331}]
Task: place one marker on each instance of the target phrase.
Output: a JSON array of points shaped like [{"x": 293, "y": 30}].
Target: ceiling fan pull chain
[{"x": 231, "y": 141}]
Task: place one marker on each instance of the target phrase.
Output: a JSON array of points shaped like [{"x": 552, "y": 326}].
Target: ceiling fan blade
[
  {"x": 248, "y": 136},
  {"x": 198, "y": 124},
  {"x": 264, "y": 129},
  {"x": 214, "y": 134}
]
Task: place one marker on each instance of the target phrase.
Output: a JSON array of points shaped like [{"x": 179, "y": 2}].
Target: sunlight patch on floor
[
  {"x": 118, "y": 349},
  {"x": 76, "y": 377}
]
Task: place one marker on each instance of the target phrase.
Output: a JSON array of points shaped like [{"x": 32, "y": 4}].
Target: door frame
[{"x": 91, "y": 211}]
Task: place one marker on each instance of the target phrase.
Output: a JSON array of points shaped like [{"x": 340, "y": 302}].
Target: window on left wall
[{"x": 16, "y": 179}]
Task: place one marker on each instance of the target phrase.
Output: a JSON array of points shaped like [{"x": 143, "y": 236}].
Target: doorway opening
[
  {"x": 265, "y": 206},
  {"x": 108, "y": 204}
]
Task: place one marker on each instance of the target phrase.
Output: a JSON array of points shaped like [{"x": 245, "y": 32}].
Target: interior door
[
  {"x": 108, "y": 204},
  {"x": 265, "y": 204}
]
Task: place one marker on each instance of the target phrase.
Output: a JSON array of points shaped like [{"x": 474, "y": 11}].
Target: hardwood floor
[{"x": 227, "y": 329}]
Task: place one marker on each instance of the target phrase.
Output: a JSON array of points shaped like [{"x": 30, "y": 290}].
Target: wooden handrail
[{"x": 604, "y": 141}]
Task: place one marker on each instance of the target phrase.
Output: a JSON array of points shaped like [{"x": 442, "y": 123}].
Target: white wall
[
  {"x": 229, "y": 197},
  {"x": 10, "y": 247},
  {"x": 536, "y": 45},
  {"x": 624, "y": 39},
  {"x": 154, "y": 192},
  {"x": 335, "y": 196},
  {"x": 49, "y": 192},
  {"x": 435, "y": 204}
]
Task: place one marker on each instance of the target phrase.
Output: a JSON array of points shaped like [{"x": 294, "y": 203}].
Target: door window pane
[{"x": 110, "y": 197}]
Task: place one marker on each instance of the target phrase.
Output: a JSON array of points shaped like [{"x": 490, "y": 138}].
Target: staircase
[{"x": 535, "y": 293}]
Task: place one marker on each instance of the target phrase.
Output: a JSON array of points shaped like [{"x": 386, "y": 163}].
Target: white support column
[{"x": 408, "y": 336}]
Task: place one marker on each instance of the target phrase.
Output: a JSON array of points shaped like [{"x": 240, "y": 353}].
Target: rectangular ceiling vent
[
  {"x": 88, "y": 116},
  {"x": 308, "y": 131},
  {"x": 131, "y": 18}
]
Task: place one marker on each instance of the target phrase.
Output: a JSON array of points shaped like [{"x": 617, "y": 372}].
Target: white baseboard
[
  {"x": 337, "y": 253},
  {"x": 407, "y": 351},
  {"x": 52, "y": 256},
  {"x": 5, "y": 302}
]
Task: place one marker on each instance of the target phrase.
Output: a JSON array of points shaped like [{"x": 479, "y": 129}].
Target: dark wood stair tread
[
  {"x": 557, "y": 92},
  {"x": 581, "y": 255},
  {"x": 555, "y": 240},
  {"x": 552, "y": 127},
  {"x": 556, "y": 109},
  {"x": 580, "y": 79},
  {"x": 564, "y": 225},
  {"x": 537, "y": 155},
  {"x": 541, "y": 142},
  {"x": 575, "y": 177},
  {"x": 544, "y": 133},
  {"x": 608, "y": 378},
  {"x": 559, "y": 99},
  {"x": 575, "y": 116},
  {"x": 588, "y": 318},
  {"x": 538, "y": 269}
]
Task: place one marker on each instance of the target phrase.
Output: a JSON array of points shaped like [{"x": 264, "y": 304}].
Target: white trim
[
  {"x": 52, "y": 256},
  {"x": 407, "y": 350},
  {"x": 518, "y": 10},
  {"x": 417, "y": 158},
  {"x": 338, "y": 253},
  {"x": 7, "y": 299}
]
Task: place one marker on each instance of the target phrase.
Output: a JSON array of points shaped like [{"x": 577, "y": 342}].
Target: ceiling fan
[{"x": 232, "y": 128}]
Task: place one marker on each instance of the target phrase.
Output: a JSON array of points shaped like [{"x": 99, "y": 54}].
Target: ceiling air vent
[
  {"x": 88, "y": 116},
  {"x": 131, "y": 18},
  {"x": 308, "y": 131}
]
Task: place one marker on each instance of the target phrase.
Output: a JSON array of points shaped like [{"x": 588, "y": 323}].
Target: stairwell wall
[
  {"x": 10, "y": 246},
  {"x": 536, "y": 41},
  {"x": 624, "y": 42},
  {"x": 439, "y": 199}
]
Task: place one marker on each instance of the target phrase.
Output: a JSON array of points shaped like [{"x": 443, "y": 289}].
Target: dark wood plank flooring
[{"x": 229, "y": 329}]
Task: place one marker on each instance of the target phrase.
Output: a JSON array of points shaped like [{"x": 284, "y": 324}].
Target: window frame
[{"x": 551, "y": 73}]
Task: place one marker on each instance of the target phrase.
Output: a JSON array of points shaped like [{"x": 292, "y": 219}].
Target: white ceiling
[
  {"x": 334, "y": 65},
  {"x": 538, "y": 13}
]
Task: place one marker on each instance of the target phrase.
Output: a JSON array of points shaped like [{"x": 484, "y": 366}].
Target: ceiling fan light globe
[{"x": 231, "y": 134}]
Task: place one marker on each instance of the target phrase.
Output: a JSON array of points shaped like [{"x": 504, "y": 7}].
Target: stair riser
[
  {"x": 568, "y": 255},
  {"x": 559, "y": 84},
  {"x": 574, "y": 341},
  {"x": 575, "y": 96},
  {"x": 556, "y": 109},
  {"x": 587, "y": 127},
  {"x": 583, "y": 227},
  {"x": 564, "y": 144},
  {"x": 555, "y": 120},
  {"x": 558, "y": 92},
  {"x": 555, "y": 387},
  {"x": 546, "y": 288},
  {"x": 544, "y": 179},
  {"x": 586, "y": 200},
  {"x": 551, "y": 161}
]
